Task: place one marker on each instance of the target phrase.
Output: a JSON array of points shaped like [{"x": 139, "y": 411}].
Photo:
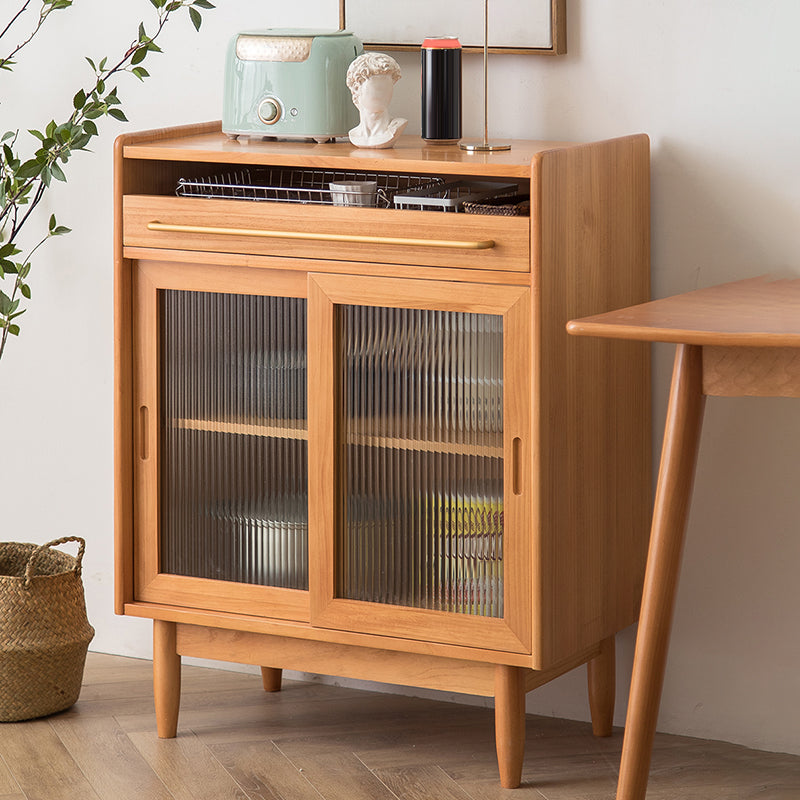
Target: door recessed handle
[
  {"x": 144, "y": 433},
  {"x": 516, "y": 466}
]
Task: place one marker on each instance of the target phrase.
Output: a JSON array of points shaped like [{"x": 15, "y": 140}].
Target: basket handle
[{"x": 29, "y": 572}]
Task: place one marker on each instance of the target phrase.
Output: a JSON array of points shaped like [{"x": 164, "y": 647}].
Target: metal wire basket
[
  {"x": 451, "y": 196},
  {"x": 297, "y": 185}
]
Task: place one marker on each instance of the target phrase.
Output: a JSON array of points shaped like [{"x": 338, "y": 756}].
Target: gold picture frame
[{"x": 373, "y": 27}]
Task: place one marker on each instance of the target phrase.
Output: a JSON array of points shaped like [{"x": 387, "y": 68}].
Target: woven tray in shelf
[{"x": 515, "y": 205}]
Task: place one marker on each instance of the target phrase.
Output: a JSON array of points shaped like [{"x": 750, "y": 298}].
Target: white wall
[{"x": 717, "y": 87}]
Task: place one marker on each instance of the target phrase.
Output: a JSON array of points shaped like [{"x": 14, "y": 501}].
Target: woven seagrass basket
[{"x": 44, "y": 632}]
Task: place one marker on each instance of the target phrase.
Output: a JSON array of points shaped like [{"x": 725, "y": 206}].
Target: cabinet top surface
[
  {"x": 758, "y": 312},
  {"x": 206, "y": 143}
]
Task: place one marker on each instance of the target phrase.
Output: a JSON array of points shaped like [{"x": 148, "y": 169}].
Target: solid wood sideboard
[{"x": 358, "y": 441}]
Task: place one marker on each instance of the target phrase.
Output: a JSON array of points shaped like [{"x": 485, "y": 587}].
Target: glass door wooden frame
[
  {"x": 512, "y": 632},
  {"x": 151, "y": 278}
]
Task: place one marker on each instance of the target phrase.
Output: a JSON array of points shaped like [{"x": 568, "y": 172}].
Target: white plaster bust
[{"x": 371, "y": 79}]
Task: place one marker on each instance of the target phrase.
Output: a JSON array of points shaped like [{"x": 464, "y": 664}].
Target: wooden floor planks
[
  {"x": 40, "y": 764},
  {"x": 319, "y": 742},
  {"x": 187, "y": 767},
  {"x": 263, "y": 772}
]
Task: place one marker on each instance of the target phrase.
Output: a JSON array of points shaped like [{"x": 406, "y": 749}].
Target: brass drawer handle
[{"x": 485, "y": 244}]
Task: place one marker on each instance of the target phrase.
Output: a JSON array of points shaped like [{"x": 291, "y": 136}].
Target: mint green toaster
[{"x": 289, "y": 83}]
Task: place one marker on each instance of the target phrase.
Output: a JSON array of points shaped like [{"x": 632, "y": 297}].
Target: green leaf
[
  {"x": 26, "y": 290},
  {"x": 117, "y": 113},
  {"x": 13, "y": 330},
  {"x": 81, "y": 140},
  {"x": 139, "y": 55},
  {"x": 141, "y": 73},
  {"x": 60, "y": 230},
  {"x": 29, "y": 169},
  {"x": 195, "y": 16},
  {"x": 57, "y": 172},
  {"x": 5, "y": 304},
  {"x": 52, "y": 222},
  {"x": 91, "y": 63},
  {"x": 203, "y": 4}
]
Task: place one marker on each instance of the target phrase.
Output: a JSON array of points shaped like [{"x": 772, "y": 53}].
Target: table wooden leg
[
  {"x": 166, "y": 678},
  {"x": 271, "y": 679},
  {"x": 509, "y": 723},
  {"x": 602, "y": 688},
  {"x": 671, "y": 510}
]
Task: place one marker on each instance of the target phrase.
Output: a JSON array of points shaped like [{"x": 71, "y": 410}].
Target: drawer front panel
[{"x": 467, "y": 241}]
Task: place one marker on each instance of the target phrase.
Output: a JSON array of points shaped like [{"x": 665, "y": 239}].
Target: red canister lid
[{"x": 441, "y": 43}]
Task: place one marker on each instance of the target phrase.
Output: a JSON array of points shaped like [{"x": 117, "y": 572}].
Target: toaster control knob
[{"x": 269, "y": 111}]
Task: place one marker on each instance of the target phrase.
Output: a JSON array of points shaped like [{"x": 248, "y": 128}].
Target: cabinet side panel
[
  {"x": 123, "y": 404},
  {"x": 130, "y": 177},
  {"x": 591, "y": 253}
]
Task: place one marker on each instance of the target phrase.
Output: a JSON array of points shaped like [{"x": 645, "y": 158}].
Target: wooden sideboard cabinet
[{"x": 358, "y": 441}]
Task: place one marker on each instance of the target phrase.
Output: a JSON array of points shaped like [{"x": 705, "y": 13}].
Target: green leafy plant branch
[
  {"x": 48, "y": 6},
  {"x": 25, "y": 181}
]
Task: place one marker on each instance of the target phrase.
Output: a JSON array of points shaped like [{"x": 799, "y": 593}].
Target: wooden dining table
[{"x": 733, "y": 340}]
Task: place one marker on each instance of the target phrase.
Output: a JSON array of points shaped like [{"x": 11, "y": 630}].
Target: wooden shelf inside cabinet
[
  {"x": 281, "y": 429},
  {"x": 400, "y": 331},
  {"x": 275, "y": 429},
  {"x": 427, "y": 446}
]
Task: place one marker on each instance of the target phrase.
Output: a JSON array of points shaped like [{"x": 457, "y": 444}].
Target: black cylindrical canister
[{"x": 441, "y": 90}]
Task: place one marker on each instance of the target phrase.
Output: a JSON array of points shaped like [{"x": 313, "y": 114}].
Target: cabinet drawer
[{"x": 428, "y": 238}]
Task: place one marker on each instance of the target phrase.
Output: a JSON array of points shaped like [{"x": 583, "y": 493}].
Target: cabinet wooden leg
[
  {"x": 271, "y": 679},
  {"x": 602, "y": 688},
  {"x": 509, "y": 723},
  {"x": 670, "y": 513},
  {"x": 166, "y": 678}
]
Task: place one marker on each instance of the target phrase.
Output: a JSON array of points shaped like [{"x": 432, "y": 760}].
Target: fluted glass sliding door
[
  {"x": 225, "y": 412},
  {"x": 234, "y": 502},
  {"x": 421, "y": 399},
  {"x": 425, "y": 439}
]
